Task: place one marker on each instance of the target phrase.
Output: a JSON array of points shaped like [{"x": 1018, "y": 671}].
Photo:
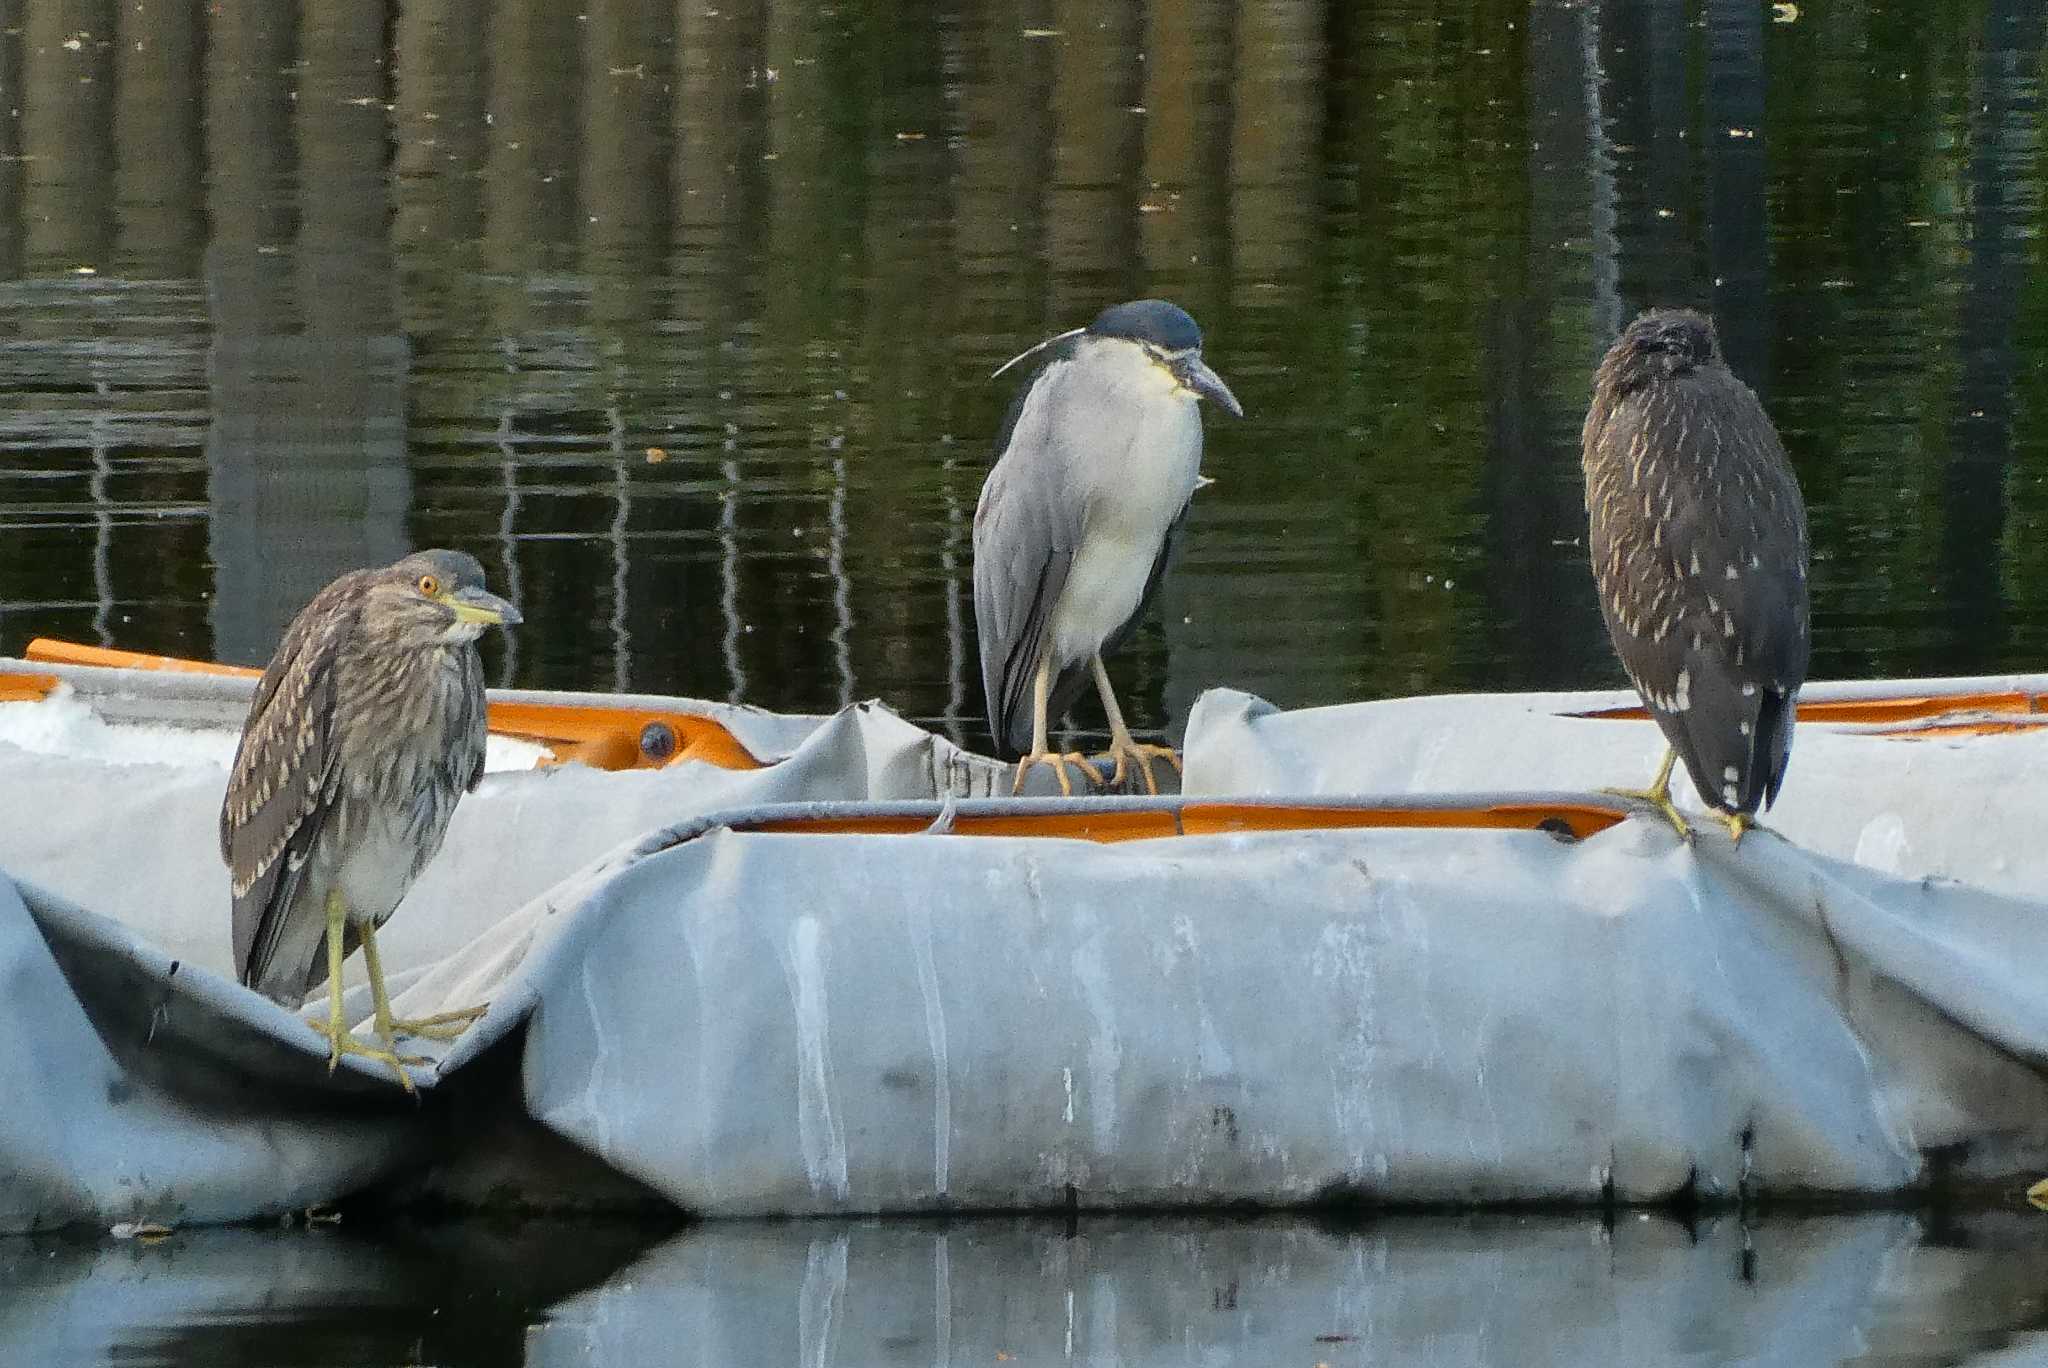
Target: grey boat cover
[{"x": 713, "y": 989}]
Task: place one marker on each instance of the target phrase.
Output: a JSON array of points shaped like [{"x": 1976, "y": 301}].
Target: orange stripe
[
  {"x": 1879, "y": 711},
  {"x": 1200, "y": 819},
  {"x": 25, "y": 688},
  {"x": 48, "y": 651},
  {"x": 605, "y": 738}
]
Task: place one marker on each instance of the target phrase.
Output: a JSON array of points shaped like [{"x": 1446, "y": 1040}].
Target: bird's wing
[
  {"x": 278, "y": 792},
  {"x": 1025, "y": 536},
  {"x": 1721, "y": 600}
]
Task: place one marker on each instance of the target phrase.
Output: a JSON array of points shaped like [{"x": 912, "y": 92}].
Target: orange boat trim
[
  {"x": 1890, "y": 711},
  {"x": 1208, "y": 819},
  {"x": 611, "y": 738},
  {"x": 605, "y": 738}
]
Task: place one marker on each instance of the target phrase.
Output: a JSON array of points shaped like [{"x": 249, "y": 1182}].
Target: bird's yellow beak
[{"x": 476, "y": 605}]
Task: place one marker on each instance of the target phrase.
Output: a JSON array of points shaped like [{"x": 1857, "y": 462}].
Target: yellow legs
[
  {"x": 439, "y": 1026},
  {"x": 1122, "y": 748},
  {"x": 1041, "y": 688},
  {"x": 1658, "y": 795},
  {"x": 340, "y": 1041}
]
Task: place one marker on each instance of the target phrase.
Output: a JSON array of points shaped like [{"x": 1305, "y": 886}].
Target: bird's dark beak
[
  {"x": 1196, "y": 375},
  {"x": 478, "y": 605}
]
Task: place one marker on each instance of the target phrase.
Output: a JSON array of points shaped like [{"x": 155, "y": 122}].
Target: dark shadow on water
[
  {"x": 1637, "y": 1289},
  {"x": 449, "y": 1294}
]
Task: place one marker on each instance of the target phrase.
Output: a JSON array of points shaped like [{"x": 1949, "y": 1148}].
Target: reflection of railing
[
  {"x": 958, "y": 586},
  {"x": 729, "y": 579},
  {"x": 622, "y": 512},
  {"x": 508, "y": 538},
  {"x": 102, "y": 512}
]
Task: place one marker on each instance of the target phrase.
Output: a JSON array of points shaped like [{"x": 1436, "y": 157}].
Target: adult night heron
[
  {"x": 1699, "y": 550},
  {"x": 1095, "y": 465},
  {"x": 366, "y": 729}
]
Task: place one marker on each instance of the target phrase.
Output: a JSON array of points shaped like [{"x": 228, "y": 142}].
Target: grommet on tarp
[{"x": 657, "y": 742}]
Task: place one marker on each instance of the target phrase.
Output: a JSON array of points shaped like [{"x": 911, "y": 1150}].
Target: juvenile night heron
[
  {"x": 1699, "y": 550},
  {"x": 1096, "y": 463},
  {"x": 366, "y": 729}
]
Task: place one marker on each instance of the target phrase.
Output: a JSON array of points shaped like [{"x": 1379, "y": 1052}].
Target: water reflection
[
  {"x": 681, "y": 317},
  {"x": 1882, "y": 1288}
]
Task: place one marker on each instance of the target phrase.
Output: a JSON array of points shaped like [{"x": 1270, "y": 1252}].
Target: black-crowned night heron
[
  {"x": 1095, "y": 465},
  {"x": 1699, "y": 549},
  {"x": 366, "y": 729}
]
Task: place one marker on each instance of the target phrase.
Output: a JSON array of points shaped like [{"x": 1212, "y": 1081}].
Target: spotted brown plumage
[
  {"x": 365, "y": 730},
  {"x": 1698, "y": 543}
]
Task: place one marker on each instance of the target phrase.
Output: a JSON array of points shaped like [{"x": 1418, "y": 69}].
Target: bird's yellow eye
[{"x": 429, "y": 585}]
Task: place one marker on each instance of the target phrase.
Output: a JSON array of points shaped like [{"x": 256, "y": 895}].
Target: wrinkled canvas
[{"x": 746, "y": 1022}]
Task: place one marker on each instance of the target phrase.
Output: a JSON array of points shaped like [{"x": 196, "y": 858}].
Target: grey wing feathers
[
  {"x": 1021, "y": 557},
  {"x": 277, "y": 790},
  {"x": 1711, "y": 616},
  {"x": 1025, "y": 537}
]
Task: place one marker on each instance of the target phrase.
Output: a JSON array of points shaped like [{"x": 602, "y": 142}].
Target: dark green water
[{"x": 365, "y": 275}]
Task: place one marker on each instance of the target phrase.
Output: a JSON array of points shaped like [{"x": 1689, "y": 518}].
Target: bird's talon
[
  {"x": 1660, "y": 800},
  {"x": 1738, "y": 822},
  {"x": 340, "y": 1042},
  {"x": 1145, "y": 754},
  {"x": 1057, "y": 763},
  {"x": 441, "y": 1025}
]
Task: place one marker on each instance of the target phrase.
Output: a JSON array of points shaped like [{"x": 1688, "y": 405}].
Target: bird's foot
[
  {"x": 1144, "y": 754},
  {"x": 2037, "y": 1195},
  {"x": 1737, "y": 823},
  {"x": 1058, "y": 764},
  {"x": 341, "y": 1042},
  {"x": 441, "y": 1025},
  {"x": 1660, "y": 799}
]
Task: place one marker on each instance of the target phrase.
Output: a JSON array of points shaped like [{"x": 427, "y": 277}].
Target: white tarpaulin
[{"x": 715, "y": 995}]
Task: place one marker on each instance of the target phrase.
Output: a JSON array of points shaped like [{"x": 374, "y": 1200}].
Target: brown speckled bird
[
  {"x": 366, "y": 729},
  {"x": 1699, "y": 550}
]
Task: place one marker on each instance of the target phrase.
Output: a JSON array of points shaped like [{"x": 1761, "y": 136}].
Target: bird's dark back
[{"x": 1699, "y": 548}]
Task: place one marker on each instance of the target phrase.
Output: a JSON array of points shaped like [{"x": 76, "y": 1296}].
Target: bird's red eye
[{"x": 429, "y": 585}]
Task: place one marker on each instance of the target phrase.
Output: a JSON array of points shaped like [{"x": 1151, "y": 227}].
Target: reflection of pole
[
  {"x": 158, "y": 136},
  {"x": 1549, "y": 340},
  {"x": 1187, "y": 103},
  {"x": 1607, "y": 305},
  {"x": 1737, "y": 251},
  {"x": 1098, "y": 153},
  {"x": 440, "y": 135},
  {"x": 1275, "y": 145},
  {"x": 306, "y": 460},
  {"x": 67, "y": 133},
  {"x": 13, "y": 180},
  {"x": 1649, "y": 122},
  {"x": 2005, "y": 143},
  {"x": 622, "y": 189},
  {"x": 1004, "y": 169}
]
